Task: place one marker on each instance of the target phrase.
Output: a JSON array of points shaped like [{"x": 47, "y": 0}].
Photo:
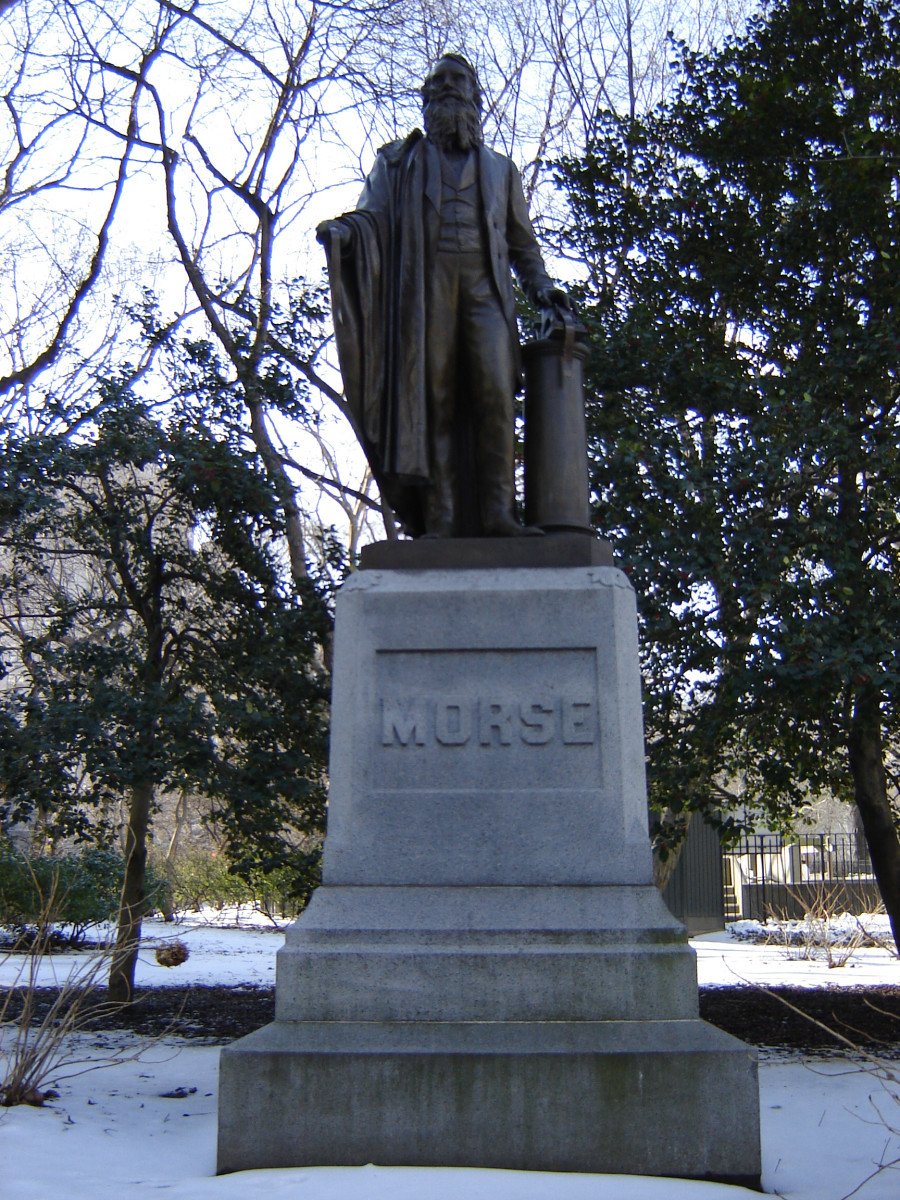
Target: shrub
[
  {"x": 200, "y": 877},
  {"x": 83, "y": 890},
  {"x": 35, "y": 1047}
]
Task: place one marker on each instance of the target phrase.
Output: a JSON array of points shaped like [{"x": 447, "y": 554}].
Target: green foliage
[
  {"x": 77, "y": 890},
  {"x": 744, "y": 296},
  {"x": 199, "y": 877},
  {"x": 157, "y": 637}
]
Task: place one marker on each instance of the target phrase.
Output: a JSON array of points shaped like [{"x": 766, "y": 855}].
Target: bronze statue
[{"x": 425, "y": 317}]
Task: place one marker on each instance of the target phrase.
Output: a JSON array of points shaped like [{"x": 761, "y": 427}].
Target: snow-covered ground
[
  {"x": 235, "y": 946},
  {"x": 114, "y": 1133},
  {"x": 724, "y": 960}
]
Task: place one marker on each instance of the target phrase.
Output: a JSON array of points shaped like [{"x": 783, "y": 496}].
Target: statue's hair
[{"x": 458, "y": 58}]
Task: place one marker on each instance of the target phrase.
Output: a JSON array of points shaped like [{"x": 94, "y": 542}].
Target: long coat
[{"x": 379, "y": 299}]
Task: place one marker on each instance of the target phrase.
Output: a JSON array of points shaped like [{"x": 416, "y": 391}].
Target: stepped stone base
[
  {"x": 487, "y": 976},
  {"x": 486, "y": 954},
  {"x": 619, "y": 1097}
]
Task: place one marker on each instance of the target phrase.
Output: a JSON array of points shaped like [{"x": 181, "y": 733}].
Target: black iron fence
[{"x": 767, "y": 875}]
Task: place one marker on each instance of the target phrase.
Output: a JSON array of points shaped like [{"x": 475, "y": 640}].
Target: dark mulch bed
[
  {"x": 217, "y": 1013},
  {"x": 869, "y": 1017}
]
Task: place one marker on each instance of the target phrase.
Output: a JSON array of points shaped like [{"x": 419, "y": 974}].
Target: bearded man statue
[{"x": 425, "y": 317}]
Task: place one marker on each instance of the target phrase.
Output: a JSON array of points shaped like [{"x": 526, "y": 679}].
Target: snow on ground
[
  {"x": 112, "y": 1134},
  {"x": 724, "y": 960},
  {"x": 238, "y": 945},
  {"x": 221, "y": 951}
]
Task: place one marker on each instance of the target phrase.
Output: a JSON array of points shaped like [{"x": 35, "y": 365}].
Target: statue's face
[
  {"x": 452, "y": 108},
  {"x": 451, "y": 78}
]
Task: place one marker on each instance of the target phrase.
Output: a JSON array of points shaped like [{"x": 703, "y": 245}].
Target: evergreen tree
[
  {"x": 153, "y": 639},
  {"x": 743, "y": 244}
]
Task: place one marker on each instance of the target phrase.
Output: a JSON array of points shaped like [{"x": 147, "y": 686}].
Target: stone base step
[{"x": 676, "y": 1098}]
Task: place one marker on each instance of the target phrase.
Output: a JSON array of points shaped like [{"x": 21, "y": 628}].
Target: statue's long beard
[{"x": 452, "y": 124}]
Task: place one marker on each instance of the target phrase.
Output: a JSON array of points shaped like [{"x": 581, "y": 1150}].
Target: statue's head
[{"x": 451, "y": 103}]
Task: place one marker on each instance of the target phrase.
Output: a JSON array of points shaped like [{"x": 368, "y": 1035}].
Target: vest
[{"x": 462, "y": 230}]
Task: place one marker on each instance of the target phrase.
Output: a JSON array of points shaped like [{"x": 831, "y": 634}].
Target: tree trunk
[
  {"x": 866, "y": 751},
  {"x": 664, "y": 868},
  {"x": 131, "y": 906},
  {"x": 293, "y": 522}
]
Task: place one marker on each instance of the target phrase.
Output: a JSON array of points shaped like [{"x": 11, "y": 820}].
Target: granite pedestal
[{"x": 487, "y": 976}]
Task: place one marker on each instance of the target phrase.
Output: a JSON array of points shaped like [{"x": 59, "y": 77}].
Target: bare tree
[
  {"x": 217, "y": 119},
  {"x": 62, "y": 180},
  {"x": 214, "y": 128},
  {"x": 548, "y": 65}
]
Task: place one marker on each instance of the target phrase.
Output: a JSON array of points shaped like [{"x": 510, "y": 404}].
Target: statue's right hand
[{"x": 325, "y": 231}]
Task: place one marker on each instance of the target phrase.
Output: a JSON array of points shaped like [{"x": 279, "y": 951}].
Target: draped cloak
[{"x": 379, "y": 300}]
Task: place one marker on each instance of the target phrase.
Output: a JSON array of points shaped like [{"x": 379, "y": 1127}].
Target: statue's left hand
[{"x": 554, "y": 297}]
